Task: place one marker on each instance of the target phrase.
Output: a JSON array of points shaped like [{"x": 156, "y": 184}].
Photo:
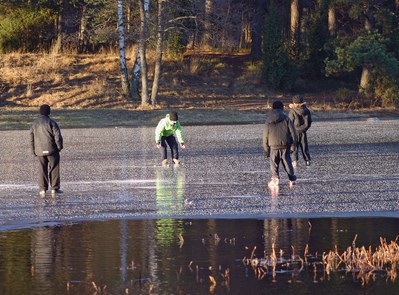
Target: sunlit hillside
[{"x": 196, "y": 80}]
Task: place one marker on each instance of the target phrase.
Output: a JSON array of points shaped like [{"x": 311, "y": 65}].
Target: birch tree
[
  {"x": 158, "y": 53},
  {"x": 136, "y": 72},
  {"x": 144, "y": 6},
  {"x": 122, "y": 53}
]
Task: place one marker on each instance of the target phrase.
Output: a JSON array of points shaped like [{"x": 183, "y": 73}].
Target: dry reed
[{"x": 363, "y": 263}]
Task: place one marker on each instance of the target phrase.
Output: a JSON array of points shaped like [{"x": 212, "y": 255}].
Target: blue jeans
[{"x": 172, "y": 143}]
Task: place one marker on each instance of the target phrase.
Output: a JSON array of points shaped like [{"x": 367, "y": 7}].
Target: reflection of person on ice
[
  {"x": 279, "y": 139},
  {"x": 164, "y": 135},
  {"x": 302, "y": 119}
]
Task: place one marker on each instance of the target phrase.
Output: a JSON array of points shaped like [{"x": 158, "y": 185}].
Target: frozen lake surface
[{"x": 115, "y": 173}]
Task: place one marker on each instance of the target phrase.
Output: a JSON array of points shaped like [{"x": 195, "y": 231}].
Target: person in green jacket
[{"x": 164, "y": 135}]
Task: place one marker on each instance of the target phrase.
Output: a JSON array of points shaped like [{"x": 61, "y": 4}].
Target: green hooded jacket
[{"x": 166, "y": 128}]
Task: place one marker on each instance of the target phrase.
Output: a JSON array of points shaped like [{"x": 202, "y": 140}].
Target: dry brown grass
[
  {"x": 63, "y": 81},
  {"x": 93, "y": 81},
  {"x": 212, "y": 80}
]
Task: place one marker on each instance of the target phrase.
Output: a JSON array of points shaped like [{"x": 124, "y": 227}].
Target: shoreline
[{"x": 21, "y": 119}]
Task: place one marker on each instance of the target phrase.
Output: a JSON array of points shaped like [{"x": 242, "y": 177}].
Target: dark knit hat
[
  {"x": 278, "y": 105},
  {"x": 44, "y": 110},
  {"x": 173, "y": 116},
  {"x": 297, "y": 99}
]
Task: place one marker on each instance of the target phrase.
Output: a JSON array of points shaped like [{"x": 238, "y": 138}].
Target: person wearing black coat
[
  {"x": 302, "y": 119},
  {"x": 46, "y": 144},
  {"x": 279, "y": 139}
]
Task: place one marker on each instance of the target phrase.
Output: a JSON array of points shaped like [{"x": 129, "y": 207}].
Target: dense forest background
[{"x": 352, "y": 41}]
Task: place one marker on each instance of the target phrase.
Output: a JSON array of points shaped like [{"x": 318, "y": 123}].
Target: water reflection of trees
[{"x": 139, "y": 255}]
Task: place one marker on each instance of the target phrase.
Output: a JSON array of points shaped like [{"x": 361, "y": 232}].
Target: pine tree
[{"x": 279, "y": 72}]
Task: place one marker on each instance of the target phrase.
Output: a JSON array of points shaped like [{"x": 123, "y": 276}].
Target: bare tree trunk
[
  {"x": 158, "y": 58},
  {"x": 365, "y": 80},
  {"x": 256, "y": 29},
  {"x": 294, "y": 19},
  {"x": 332, "y": 22},
  {"x": 122, "y": 55},
  {"x": 364, "y": 87},
  {"x": 136, "y": 78},
  {"x": 303, "y": 26},
  {"x": 136, "y": 71},
  {"x": 82, "y": 45},
  {"x": 144, "y": 14},
  {"x": 129, "y": 15},
  {"x": 207, "y": 24},
  {"x": 245, "y": 36},
  {"x": 58, "y": 43},
  {"x": 294, "y": 24}
]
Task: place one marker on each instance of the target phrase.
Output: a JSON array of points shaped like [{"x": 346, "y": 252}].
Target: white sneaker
[
  {"x": 292, "y": 183},
  {"x": 56, "y": 191},
  {"x": 176, "y": 161},
  {"x": 165, "y": 162},
  {"x": 42, "y": 193}
]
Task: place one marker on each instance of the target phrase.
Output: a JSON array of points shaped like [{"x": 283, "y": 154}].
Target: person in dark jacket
[
  {"x": 46, "y": 143},
  {"x": 302, "y": 119},
  {"x": 279, "y": 139}
]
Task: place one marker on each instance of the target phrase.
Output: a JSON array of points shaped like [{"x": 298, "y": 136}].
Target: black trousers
[
  {"x": 303, "y": 144},
  {"x": 49, "y": 171},
  {"x": 172, "y": 143},
  {"x": 283, "y": 156}
]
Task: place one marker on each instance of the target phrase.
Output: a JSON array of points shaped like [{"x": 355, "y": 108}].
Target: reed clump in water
[{"x": 363, "y": 263}]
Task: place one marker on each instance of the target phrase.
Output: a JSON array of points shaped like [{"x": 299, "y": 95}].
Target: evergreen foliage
[
  {"x": 316, "y": 48},
  {"x": 26, "y": 30},
  {"x": 369, "y": 50},
  {"x": 279, "y": 71}
]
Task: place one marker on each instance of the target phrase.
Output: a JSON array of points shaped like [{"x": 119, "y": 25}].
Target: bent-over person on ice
[
  {"x": 279, "y": 139},
  {"x": 164, "y": 135}
]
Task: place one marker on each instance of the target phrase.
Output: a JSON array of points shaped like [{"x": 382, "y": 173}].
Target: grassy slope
[{"x": 83, "y": 91}]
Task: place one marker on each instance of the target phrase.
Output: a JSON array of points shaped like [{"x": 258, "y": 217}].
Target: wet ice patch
[
  {"x": 244, "y": 197},
  {"x": 115, "y": 181}
]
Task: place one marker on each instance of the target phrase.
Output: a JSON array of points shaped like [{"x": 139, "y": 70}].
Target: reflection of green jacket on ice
[{"x": 166, "y": 128}]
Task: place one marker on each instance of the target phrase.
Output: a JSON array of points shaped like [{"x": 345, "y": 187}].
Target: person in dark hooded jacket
[
  {"x": 302, "y": 119},
  {"x": 46, "y": 143},
  {"x": 279, "y": 139}
]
